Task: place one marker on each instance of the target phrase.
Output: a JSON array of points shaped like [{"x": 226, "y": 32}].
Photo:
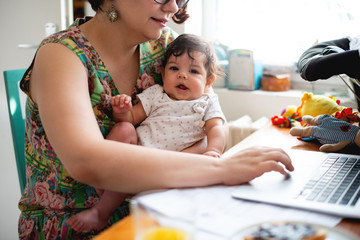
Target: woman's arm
[
  {"x": 59, "y": 86},
  {"x": 214, "y": 129}
]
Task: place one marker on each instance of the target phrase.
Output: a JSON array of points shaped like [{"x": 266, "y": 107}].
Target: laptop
[{"x": 322, "y": 182}]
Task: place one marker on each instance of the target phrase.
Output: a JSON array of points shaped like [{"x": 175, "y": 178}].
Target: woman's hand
[{"x": 250, "y": 163}]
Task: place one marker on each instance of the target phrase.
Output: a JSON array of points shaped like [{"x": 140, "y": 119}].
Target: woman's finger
[
  {"x": 280, "y": 156},
  {"x": 270, "y": 165}
]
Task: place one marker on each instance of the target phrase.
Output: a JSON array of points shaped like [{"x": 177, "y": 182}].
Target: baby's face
[{"x": 185, "y": 78}]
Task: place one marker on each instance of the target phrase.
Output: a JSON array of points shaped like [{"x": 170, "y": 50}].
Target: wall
[
  {"x": 256, "y": 104},
  {"x": 259, "y": 103},
  {"x": 21, "y": 22}
]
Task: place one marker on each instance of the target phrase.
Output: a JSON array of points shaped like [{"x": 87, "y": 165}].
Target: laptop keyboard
[{"x": 337, "y": 182}]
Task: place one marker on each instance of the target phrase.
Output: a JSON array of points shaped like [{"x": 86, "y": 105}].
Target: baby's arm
[
  {"x": 123, "y": 111},
  {"x": 216, "y": 140}
]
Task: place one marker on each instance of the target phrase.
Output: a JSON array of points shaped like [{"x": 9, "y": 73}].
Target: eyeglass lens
[{"x": 180, "y": 3}]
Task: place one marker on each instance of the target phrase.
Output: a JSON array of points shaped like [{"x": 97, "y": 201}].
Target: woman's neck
[{"x": 109, "y": 38}]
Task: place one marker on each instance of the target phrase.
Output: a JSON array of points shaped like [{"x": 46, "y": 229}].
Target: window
[
  {"x": 277, "y": 31},
  {"x": 280, "y": 30}
]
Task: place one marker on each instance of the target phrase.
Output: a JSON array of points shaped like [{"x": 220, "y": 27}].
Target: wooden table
[
  {"x": 268, "y": 136},
  {"x": 123, "y": 230}
]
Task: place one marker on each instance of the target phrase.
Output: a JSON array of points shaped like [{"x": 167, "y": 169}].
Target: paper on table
[{"x": 219, "y": 215}]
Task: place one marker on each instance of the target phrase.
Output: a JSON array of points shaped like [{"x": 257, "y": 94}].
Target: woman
[{"x": 73, "y": 75}]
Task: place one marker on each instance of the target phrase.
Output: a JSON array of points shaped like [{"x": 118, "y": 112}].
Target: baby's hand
[
  {"x": 121, "y": 103},
  {"x": 213, "y": 154}
]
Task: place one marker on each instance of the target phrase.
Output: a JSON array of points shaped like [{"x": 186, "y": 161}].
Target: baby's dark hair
[
  {"x": 190, "y": 43},
  {"x": 180, "y": 17}
]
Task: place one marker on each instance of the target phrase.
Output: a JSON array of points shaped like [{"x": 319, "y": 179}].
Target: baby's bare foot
[{"x": 87, "y": 221}]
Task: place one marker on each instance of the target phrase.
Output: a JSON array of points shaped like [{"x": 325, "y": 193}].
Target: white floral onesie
[{"x": 174, "y": 125}]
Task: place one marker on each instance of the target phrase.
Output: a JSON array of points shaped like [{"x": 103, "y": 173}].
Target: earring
[{"x": 112, "y": 13}]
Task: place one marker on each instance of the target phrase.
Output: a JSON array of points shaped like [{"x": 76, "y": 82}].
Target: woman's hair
[
  {"x": 179, "y": 17},
  {"x": 95, "y": 4},
  {"x": 190, "y": 43}
]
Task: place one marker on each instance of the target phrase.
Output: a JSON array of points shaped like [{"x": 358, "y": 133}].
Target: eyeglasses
[{"x": 180, "y": 3}]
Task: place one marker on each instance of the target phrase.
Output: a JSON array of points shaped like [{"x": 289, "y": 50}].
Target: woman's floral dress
[{"x": 51, "y": 195}]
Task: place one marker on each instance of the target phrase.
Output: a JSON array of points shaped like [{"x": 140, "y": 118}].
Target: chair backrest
[{"x": 17, "y": 122}]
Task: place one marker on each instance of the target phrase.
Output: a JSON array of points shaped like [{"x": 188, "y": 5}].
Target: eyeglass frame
[{"x": 166, "y": 1}]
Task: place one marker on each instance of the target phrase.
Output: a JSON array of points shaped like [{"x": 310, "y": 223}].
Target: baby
[
  {"x": 184, "y": 110},
  {"x": 174, "y": 116}
]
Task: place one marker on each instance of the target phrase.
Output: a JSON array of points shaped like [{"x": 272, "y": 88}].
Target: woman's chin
[{"x": 155, "y": 34}]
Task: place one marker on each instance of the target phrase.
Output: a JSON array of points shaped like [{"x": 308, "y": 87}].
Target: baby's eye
[
  {"x": 173, "y": 68},
  {"x": 194, "y": 71}
]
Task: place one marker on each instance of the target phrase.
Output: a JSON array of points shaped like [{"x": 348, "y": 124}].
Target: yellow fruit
[{"x": 165, "y": 233}]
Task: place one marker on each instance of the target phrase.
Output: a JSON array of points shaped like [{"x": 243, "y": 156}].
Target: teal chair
[{"x": 17, "y": 122}]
